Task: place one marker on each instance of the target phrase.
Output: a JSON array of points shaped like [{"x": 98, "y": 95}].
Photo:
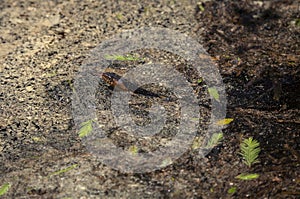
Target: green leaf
[
  {"x": 214, "y": 140},
  {"x": 119, "y": 16},
  {"x": 214, "y": 93},
  {"x": 86, "y": 128},
  {"x": 194, "y": 119},
  {"x": 196, "y": 143},
  {"x": 4, "y": 188},
  {"x": 201, "y": 7},
  {"x": 133, "y": 149},
  {"x": 249, "y": 151},
  {"x": 64, "y": 170},
  {"x": 247, "y": 176},
  {"x": 200, "y": 80},
  {"x": 232, "y": 190},
  {"x": 224, "y": 121},
  {"x": 121, "y": 57}
]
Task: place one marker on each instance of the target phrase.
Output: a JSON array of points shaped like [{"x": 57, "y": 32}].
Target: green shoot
[
  {"x": 232, "y": 190},
  {"x": 85, "y": 128},
  {"x": 194, "y": 119},
  {"x": 245, "y": 176},
  {"x": 249, "y": 151},
  {"x": 122, "y": 58},
  {"x": 133, "y": 150},
  {"x": 4, "y": 188},
  {"x": 196, "y": 143},
  {"x": 201, "y": 7},
  {"x": 214, "y": 93},
  {"x": 224, "y": 121},
  {"x": 214, "y": 140},
  {"x": 119, "y": 16},
  {"x": 64, "y": 170},
  {"x": 200, "y": 80}
]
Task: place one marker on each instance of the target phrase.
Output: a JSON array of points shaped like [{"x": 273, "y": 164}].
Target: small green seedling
[
  {"x": 249, "y": 151},
  {"x": 122, "y": 57},
  {"x": 201, "y": 7},
  {"x": 119, "y": 16},
  {"x": 200, "y": 80},
  {"x": 64, "y": 170},
  {"x": 232, "y": 190},
  {"x": 85, "y": 128},
  {"x": 214, "y": 93},
  {"x": 4, "y": 188},
  {"x": 133, "y": 150},
  {"x": 224, "y": 121},
  {"x": 214, "y": 140},
  {"x": 247, "y": 176},
  {"x": 196, "y": 143}
]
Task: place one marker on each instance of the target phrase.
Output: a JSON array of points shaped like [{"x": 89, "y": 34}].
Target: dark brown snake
[{"x": 112, "y": 79}]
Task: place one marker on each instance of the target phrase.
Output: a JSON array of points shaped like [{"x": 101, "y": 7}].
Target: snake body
[{"x": 114, "y": 81}]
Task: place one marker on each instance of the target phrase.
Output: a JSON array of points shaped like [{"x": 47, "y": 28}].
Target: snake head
[{"x": 113, "y": 80}]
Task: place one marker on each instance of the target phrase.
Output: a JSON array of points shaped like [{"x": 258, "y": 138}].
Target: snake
[{"x": 114, "y": 81}]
